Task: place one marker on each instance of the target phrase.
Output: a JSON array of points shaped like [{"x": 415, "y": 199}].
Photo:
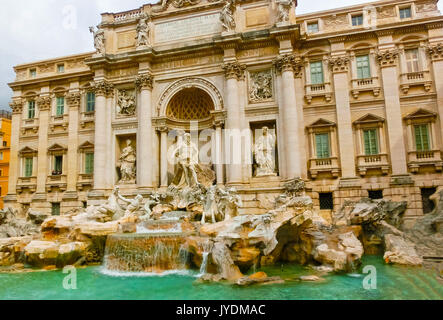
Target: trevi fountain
[{"x": 190, "y": 242}]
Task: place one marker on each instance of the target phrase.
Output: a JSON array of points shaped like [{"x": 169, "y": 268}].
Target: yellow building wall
[{"x": 5, "y": 144}]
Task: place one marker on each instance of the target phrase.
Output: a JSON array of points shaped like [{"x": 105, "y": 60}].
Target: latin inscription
[{"x": 188, "y": 28}]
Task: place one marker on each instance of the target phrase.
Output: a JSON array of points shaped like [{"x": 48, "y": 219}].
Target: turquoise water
[{"x": 393, "y": 282}]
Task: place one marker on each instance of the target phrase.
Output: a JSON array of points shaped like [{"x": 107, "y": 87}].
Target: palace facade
[{"x": 354, "y": 97}]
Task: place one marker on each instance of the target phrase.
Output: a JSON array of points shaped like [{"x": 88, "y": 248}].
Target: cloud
[{"x": 34, "y": 30}]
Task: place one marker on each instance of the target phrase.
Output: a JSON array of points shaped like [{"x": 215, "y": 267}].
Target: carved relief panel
[{"x": 261, "y": 86}]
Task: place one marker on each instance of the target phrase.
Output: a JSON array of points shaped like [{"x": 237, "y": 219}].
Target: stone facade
[
  {"x": 340, "y": 75},
  {"x": 5, "y": 145}
]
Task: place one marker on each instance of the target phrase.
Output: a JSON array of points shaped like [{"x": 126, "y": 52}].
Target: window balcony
[
  {"x": 85, "y": 180},
  {"x": 87, "y": 117},
  {"x": 56, "y": 181},
  {"x": 26, "y": 183},
  {"x": 327, "y": 165},
  {"x": 419, "y": 159},
  {"x": 415, "y": 79},
  {"x": 318, "y": 90},
  {"x": 30, "y": 125},
  {"x": 367, "y": 84},
  {"x": 373, "y": 162},
  {"x": 59, "y": 121}
]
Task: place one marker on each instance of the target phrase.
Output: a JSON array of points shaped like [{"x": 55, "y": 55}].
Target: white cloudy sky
[{"x": 36, "y": 29}]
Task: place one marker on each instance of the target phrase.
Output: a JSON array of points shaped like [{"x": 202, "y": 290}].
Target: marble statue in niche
[
  {"x": 126, "y": 164},
  {"x": 99, "y": 39},
  {"x": 143, "y": 31},
  {"x": 227, "y": 16},
  {"x": 261, "y": 86},
  {"x": 264, "y": 150},
  {"x": 126, "y": 103},
  {"x": 186, "y": 156}
]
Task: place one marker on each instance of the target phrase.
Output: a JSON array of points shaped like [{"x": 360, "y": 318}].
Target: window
[
  {"x": 1, "y": 173},
  {"x": 363, "y": 67},
  {"x": 31, "y": 109},
  {"x": 5, "y": 143},
  {"x": 428, "y": 204},
  {"x": 371, "y": 141},
  {"x": 60, "y": 68},
  {"x": 89, "y": 163},
  {"x": 422, "y": 142},
  {"x": 412, "y": 60},
  {"x": 357, "y": 20},
  {"x": 326, "y": 201},
  {"x": 313, "y": 27},
  {"x": 28, "y": 167},
  {"x": 58, "y": 166},
  {"x": 1, "y": 155},
  {"x": 33, "y": 73},
  {"x": 60, "y": 106},
  {"x": 317, "y": 72},
  {"x": 322, "y": 145},
  {"x": 405, "y": 13},
  {"x": 90, "y": 102},
  {"x": 55, "y": 209},
  {"x": 375, "y": 194}
]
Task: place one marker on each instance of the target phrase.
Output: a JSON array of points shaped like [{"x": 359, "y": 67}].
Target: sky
[{"x": 33, "y": 30}]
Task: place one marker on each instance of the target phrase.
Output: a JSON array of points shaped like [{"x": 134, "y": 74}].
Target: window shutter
[
  {"x": 89, "y": 163},
  {"x": 363, "y": 67},
  {"x": 28, "y": 167},
  {"x": 370, "y": 141},
  {"x": 322, "y": 145},
  {"x": 317, "y": 73},
  {"x": 422, "y": 137}
]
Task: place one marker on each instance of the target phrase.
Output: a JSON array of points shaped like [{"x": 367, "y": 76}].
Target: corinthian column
[
  {"x": 436, "y": 53},
  {"x": 388, "y": 63},
  {"x": 144, "y": 133},
  {"x": 233, "y": 135},
  {"x": 290, "y": 121},
  {"x": 340, "y": 69},
  {"x": 44, "y": 105},
  {"x": 73, "y": 102},
  {"x": 17, "y": 109},
  {"x": 102, "y": 90}
]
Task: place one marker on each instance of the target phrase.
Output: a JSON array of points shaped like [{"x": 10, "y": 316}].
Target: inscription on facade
[
  {"x": 257, "y": 17},
  {"x": 187, "y": 28}
]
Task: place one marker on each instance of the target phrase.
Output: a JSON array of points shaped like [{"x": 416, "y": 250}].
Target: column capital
[
  {"x": 387, "y": 58},
  {"x": 102, "y": 88},
  {"x": 234, "y": 70},
  {"x": 288, "y": 62},
  {"x": 339, "y": 64},
  {"x": 17, "y": 106},
  {"x": 435, "y": 51},
  {"x": 144, "y": 81},
  {"x": 44, "y": 103},
  {"x": 73, "y": 99}
]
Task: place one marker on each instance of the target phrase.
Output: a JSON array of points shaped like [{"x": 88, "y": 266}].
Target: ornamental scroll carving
[
  {"x": 436, "y": 51},
  {"x": 288, "y": 62},
  {"x": 234, "y": 70},
  {"x": 44, "y": 103},
  {"x": 102, "y": 88},
  {"x": 73, "y": 99},
  {"x": 16, "y": 106},
  {"x": 260, "y": 86},
  {"x": 387, "y": 58},
  {"x": 339, "y": 64},
  {"x": 144, "y": 81}
]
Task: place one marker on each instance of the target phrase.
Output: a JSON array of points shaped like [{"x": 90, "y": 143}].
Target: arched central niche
[{"x": 190, "y": 104}]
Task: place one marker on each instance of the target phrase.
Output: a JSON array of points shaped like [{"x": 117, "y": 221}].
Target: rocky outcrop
[
  {"x": 401, "y": 251},
  {"x": 427, "y": 233},
  {"x": 12, "y": 225},
  {"x": 11, "y": 250},
  {"x": 50, "y": 253}
]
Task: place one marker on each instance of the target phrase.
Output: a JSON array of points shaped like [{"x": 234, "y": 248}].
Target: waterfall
[
  {"x": 204, "y": 265},
  {"x": 206, "y": 248},
  {"x": 145, "y": 252}
]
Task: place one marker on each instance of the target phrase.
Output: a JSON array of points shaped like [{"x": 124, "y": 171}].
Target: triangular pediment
[
  {"x": 322, "y": 123},
  {"x": 86, "y": 145},
  {"x": 369, "y": 118},
  {"x": 27, "y": 150},
  {"x": 421, "y": 113},
  {"x": 57, "y": 147}
]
